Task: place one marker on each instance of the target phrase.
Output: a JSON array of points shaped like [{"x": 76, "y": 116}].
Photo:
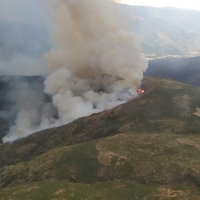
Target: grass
[
  {"x": 117, "y": 190},
  {"x": 143, "y": 158},
  {"x": 163, "y": 108},
  {"x": 148, "y": 48},
  {"x": 150, "y": 143},
  {"x": 62, "y": 190}
]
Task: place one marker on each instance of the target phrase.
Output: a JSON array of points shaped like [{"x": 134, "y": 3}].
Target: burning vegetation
[{"x": 140, "y": 91}]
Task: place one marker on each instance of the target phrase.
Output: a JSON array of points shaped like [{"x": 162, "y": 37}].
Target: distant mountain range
[
  {"x": 166, "y": 31},
  {"x": 186, "y": 70},
  {"x": 161, "y": 31}
]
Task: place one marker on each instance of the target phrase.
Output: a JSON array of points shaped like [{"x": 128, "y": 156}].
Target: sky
[
  {"x": 186, "y": 4},
  {"x": 34, "y": 12}
]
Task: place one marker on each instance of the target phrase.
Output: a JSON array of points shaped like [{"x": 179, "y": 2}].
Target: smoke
[
  {"x": 22, "y": 65},
  {"x": 24, "y": 11},
  {"x": 96, "y": 65},
  {"x": 24, "y": 37},
  {"x": 29, "y": 107}
]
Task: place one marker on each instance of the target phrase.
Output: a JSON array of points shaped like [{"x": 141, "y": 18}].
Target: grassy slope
[
  {"x": 144, "y": 164},
  {"x": 152, "y": 149},
  {"x": 166, "y": 106},
  {"x": 148, "y": 48},
  {"x": 115, "y": 190},
  {"x": 171, "y": 30}
]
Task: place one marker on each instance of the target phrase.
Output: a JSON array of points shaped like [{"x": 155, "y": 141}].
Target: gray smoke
[
  {"x": 22, "y": 65},
  {"x": 24, "y": 37},
  {"x": 24, "y": 11},
  {"x": 96, "y": 66},
  {"x": 28, "y": 105}
]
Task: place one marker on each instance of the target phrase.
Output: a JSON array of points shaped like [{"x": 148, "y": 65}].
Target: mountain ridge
[
  {"x": 166, "y": 31},
  {"x": 150, "y": 142}
]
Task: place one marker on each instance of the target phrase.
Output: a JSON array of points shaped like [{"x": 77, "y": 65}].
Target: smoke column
[{"x": 96, "y": 65}]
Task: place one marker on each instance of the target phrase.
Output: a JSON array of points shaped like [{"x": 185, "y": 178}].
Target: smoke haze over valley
[
  {"x": 87, "y": 55},
  {"x": 95, "y": 65}
]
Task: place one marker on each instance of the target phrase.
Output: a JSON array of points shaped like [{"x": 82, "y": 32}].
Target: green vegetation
[
  {"x": 166, "y": 31},
  {"x": 117, "y": 190},
  {"x": 62, "y": 190},
  {"x": 147, "y": 148},
  {"x": 148, "y": 48}
]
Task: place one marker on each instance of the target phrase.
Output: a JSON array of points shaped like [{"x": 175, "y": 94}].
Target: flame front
[{"x": 140, "y": 91}]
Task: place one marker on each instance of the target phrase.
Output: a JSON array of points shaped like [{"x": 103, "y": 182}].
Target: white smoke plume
[
  {"x": 28, "y": 106},
  {"x": 96, "y": 66}
]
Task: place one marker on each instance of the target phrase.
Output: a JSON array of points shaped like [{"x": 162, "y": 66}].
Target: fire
[{"x": 140, "y": 91}]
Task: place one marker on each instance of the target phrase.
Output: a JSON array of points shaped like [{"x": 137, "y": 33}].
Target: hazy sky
[
  {"x": 188, "y": 4},
  {"x": 25, "y": 11}
]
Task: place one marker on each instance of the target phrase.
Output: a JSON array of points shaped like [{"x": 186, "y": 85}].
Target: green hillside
[
  {"x": 166, "y": 31},
  {"x": 147, "y": 148}
]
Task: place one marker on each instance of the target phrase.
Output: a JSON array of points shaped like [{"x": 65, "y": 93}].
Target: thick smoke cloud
[
  {"x": 29, "y": 108},
  {"x": 96, "y": 66}
]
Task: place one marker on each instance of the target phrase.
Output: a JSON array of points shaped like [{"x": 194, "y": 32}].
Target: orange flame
[{"x": 140, "y": 91}]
